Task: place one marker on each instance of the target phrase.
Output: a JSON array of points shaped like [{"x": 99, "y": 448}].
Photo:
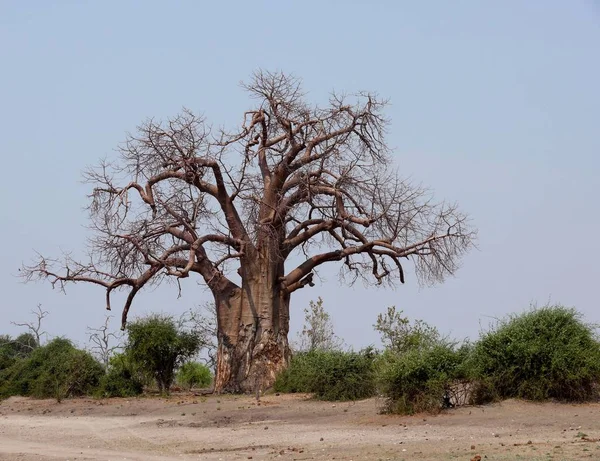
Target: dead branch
[
  {"x": 35, "y": 327},
  {"x": 104, "y": 342},
  {"x": 293, "y": 179}
]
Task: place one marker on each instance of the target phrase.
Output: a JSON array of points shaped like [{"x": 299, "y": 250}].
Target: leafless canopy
[
  {"x": 298, "y": 180},
  {"x": 203, "y": 321},
  {"x": 103, "y": 342},
  {"x": 35, "y": 327}
]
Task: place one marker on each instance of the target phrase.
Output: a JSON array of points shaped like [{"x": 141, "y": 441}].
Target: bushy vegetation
[
  {"x": 546, "y": 353},
  {"x": 194, "y": 374},
  {"x": 418, "y": 365},
  {"x": 419, "y": 379},
  {"x": 123, "y": 378},
  {"x": 330, "y": 375},
  {"x": 155, "y": 347},
  {"x": 322, "y": 368},
  {"x": 57, "y": 370},
  {"x": 158, "y": 345},
  {"x": 13, "y": 349}
]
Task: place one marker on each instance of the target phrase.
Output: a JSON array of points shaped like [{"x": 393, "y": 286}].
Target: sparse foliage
[
  {"x": 293, "y": 181},
  {"x": 204, "y": 323},
  {"x": 399, "y": 335},
  {"x": 317, "y": 332}
]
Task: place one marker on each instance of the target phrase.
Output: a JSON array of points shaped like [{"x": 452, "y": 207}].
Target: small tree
[
  {"x": 35, "y": 327},
  {"x": 317, "y": 333},
  {"x": 193, "y": 374},
  {"x": 103, "y": 342},
  {"x": 400, "y": 336},
  {"x": 203, "y": 322},
  {"x": 13, "y": 349},
  {"x": 158, "y": 345}
]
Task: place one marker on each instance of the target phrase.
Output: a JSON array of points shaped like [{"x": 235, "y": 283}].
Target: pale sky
[{"x": 494, "y": 105}]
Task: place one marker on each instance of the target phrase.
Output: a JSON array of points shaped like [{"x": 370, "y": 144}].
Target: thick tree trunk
[{"x": 253, "y": 325}]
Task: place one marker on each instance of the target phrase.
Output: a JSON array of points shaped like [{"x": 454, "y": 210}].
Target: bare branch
[
  {"x": 35, "y": 327},
  {"x": 293, "y": 180},
  {"x": 104, "y": 342}
]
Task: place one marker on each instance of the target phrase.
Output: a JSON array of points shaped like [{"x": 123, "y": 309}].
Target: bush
[
  {"x": 317, "y": 332},
  {"x": 122, "y": 379},
  {"x": 7, "y": 356},
  {"x": 418, "y": 380},
  {"x": 157, "y": 345},
  {"x": 12, "y": 350},
  {"x": 399, "y": 335},
  {"x": 193, "y": 374},
  {"x": 330, "y": 375},
  {"x": 57, "y": 370},
  {"x": 546, "y": 353}
]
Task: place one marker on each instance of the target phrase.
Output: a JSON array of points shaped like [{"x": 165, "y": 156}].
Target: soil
[{"x": 290, "y": 427}]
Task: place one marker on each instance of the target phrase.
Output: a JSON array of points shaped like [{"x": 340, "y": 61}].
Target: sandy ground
[{"x": 286, "y": 427}]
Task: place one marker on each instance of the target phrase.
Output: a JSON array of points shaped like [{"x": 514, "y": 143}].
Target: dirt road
[{"x": 290, "y": 428}]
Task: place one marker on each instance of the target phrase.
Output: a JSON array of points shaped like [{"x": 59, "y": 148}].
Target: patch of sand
[{"x": 289, "y": 427}]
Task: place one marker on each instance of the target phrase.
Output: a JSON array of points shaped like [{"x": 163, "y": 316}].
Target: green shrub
[
  {"x": 317, "y": 332},
  {"x": 418, "y": 380},
  {"x": 122, "y": 379},
  {"x": 330, "y": 375},
  {"x": 7, "y": 356},
  {"x": 157, "y": 345},
  {"x": 12, "y": 350},
  {"x": 399, "y": 335},
  {"x": 546, "y": 353},
  {"x": 57, "y": 370},
  {"x": 194, "y": 374}
]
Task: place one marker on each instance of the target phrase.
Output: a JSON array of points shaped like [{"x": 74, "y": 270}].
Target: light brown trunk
[{"x": 253, "y": 325}]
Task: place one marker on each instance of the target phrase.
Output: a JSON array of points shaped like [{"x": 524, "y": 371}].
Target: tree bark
[{"x": 253, "y": 325}]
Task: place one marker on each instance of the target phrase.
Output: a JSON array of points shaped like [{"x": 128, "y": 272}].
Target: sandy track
[{"x": 289, "y": 427}]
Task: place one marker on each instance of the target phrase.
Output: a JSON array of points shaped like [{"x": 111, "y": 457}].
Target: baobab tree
[{"x": 255, "y": 211}]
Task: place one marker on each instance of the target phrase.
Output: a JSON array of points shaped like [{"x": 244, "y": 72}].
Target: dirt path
[{"x": 289, "y": 428}]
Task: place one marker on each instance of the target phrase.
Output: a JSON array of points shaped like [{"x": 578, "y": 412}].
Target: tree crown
[{"x": 293, "y": 179}]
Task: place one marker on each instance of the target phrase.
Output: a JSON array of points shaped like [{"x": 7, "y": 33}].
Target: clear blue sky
[{"x": 495, "y": 105}]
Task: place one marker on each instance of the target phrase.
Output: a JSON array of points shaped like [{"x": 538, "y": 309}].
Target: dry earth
[{"x": 290, "y": 428}]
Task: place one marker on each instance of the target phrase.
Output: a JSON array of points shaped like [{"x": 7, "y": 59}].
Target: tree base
[{"x": 251, "y": 368}]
